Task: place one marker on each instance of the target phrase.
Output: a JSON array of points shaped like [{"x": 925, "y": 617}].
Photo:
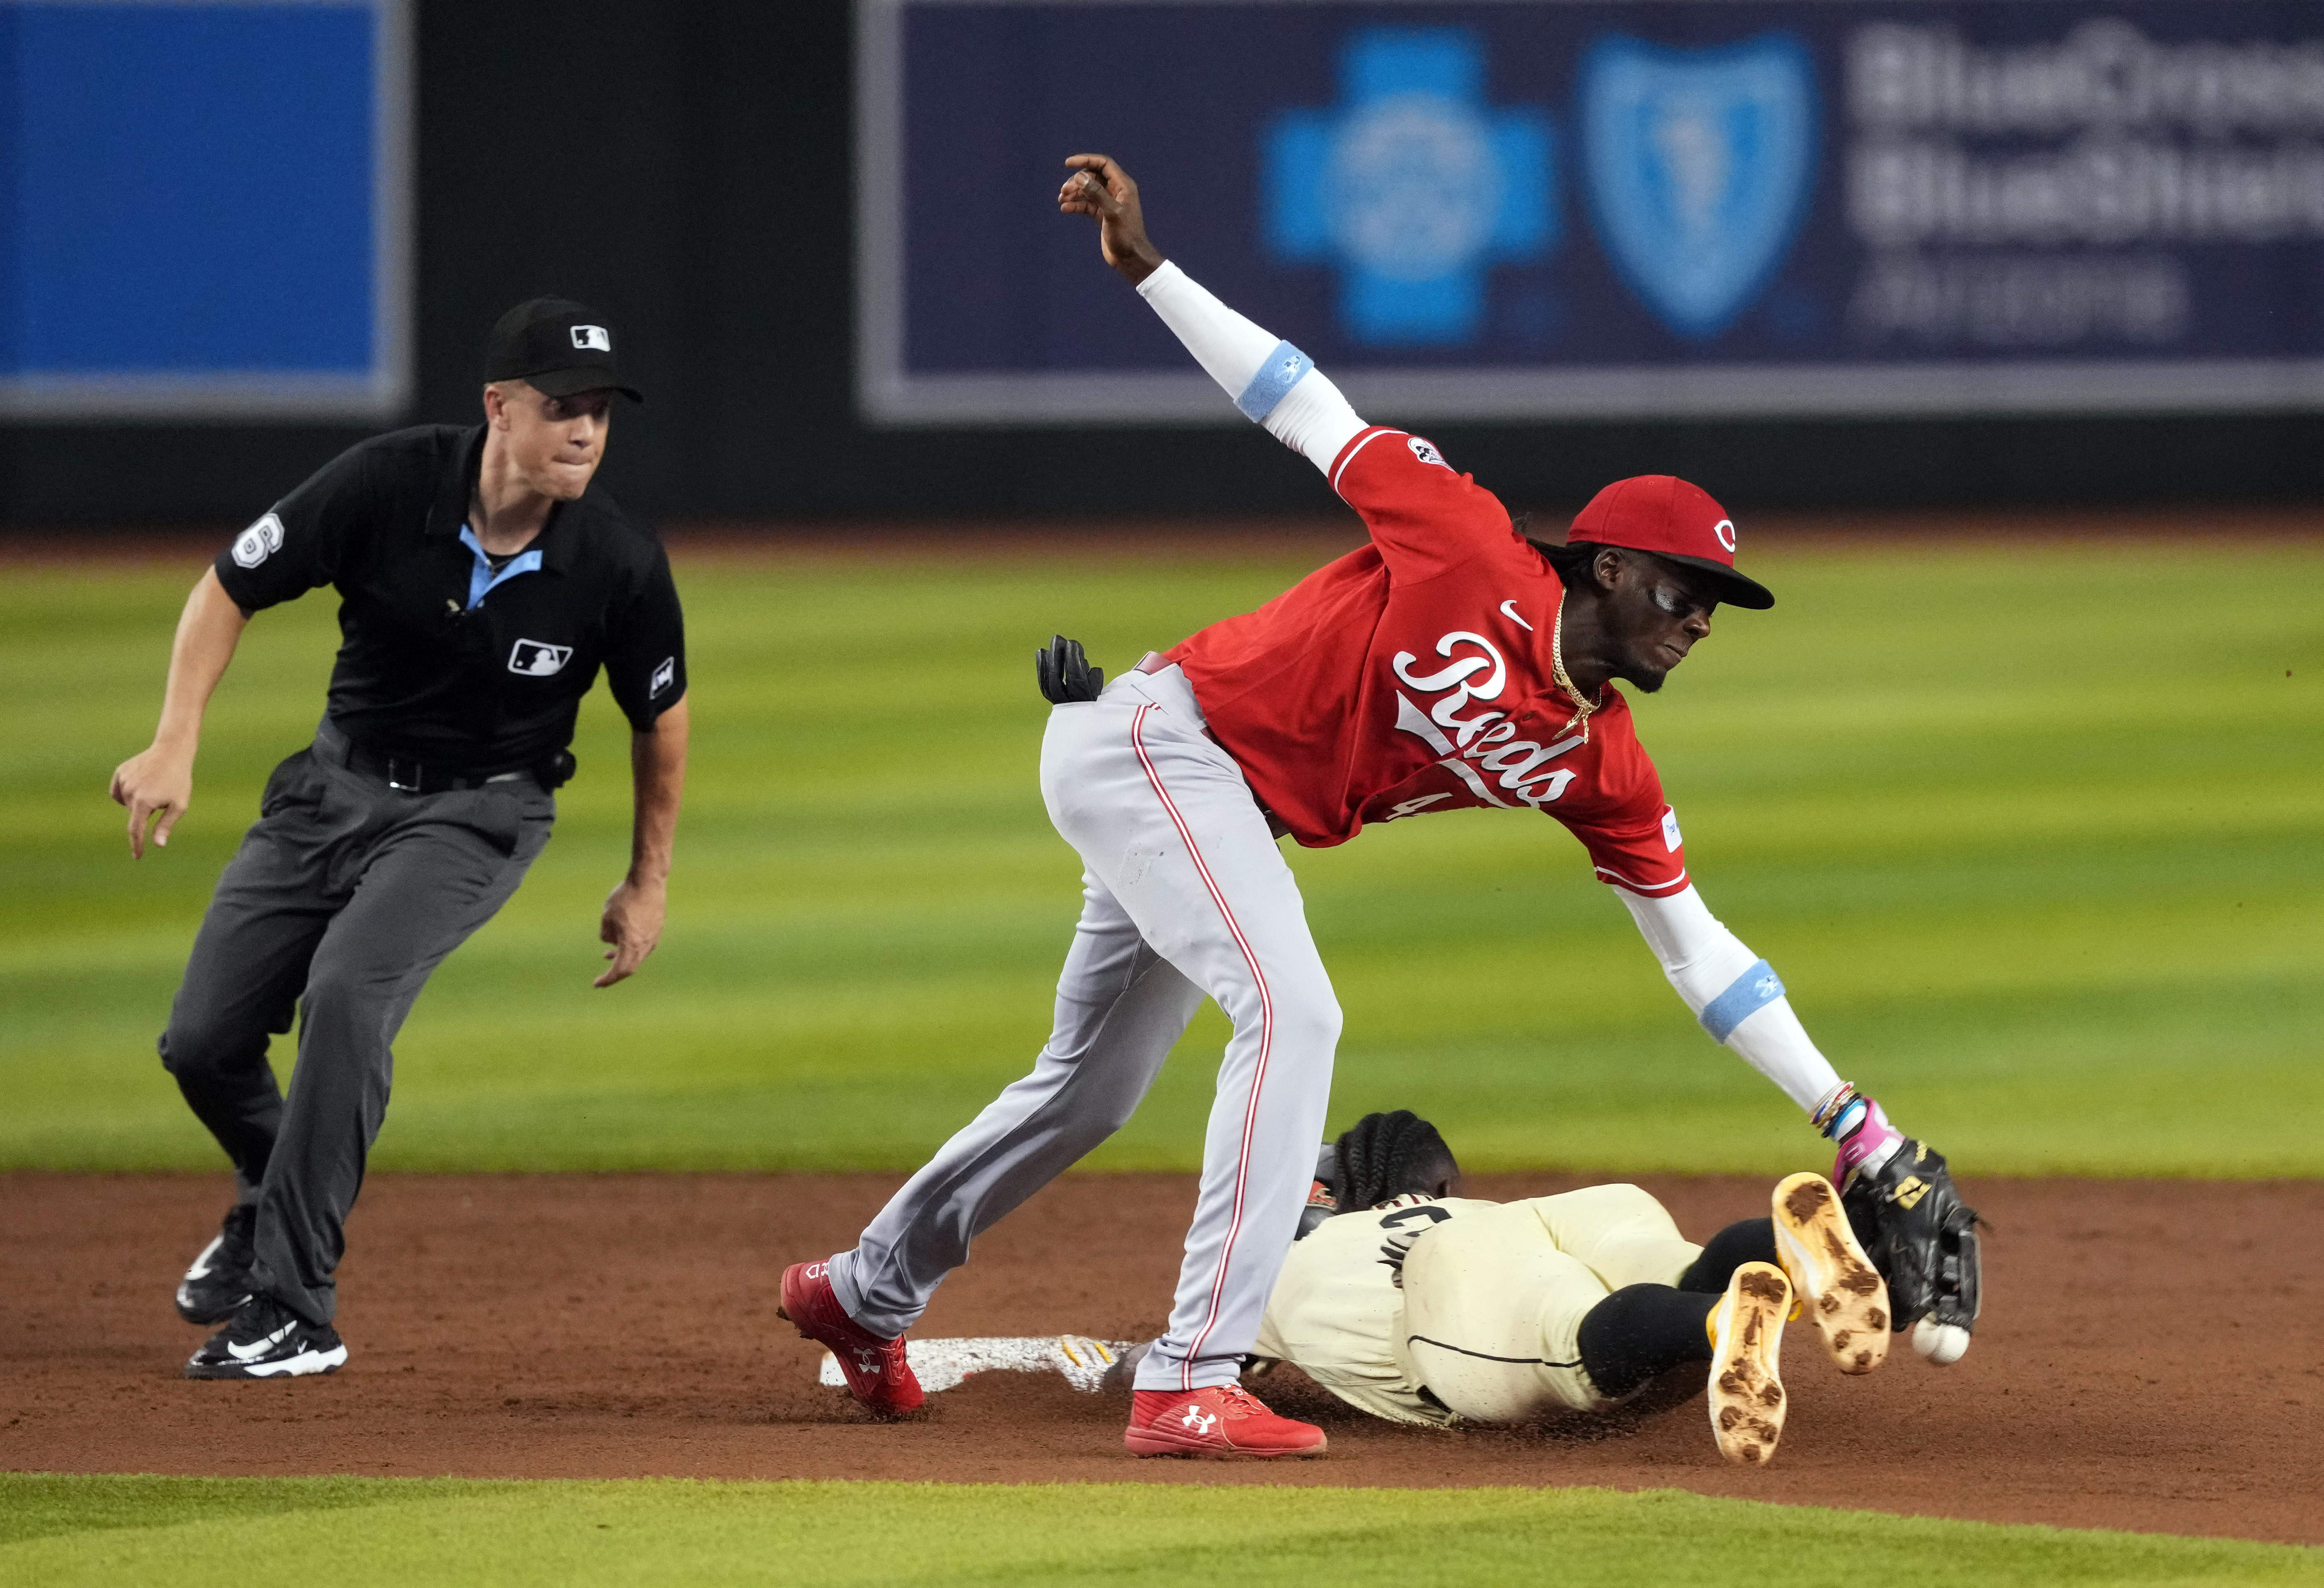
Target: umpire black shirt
[{"x": 442, "y": 659}]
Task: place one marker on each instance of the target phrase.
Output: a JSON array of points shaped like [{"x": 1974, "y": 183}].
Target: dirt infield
[{"x": 2151, "y": 1355}]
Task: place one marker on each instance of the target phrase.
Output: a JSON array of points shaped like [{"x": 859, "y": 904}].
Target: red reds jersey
[{"x": 1414, "y": 675}]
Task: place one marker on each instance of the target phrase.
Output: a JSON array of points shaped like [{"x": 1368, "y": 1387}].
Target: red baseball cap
[{"x": 1664, "y": 514}]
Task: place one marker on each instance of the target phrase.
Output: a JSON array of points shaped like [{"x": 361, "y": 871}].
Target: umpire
[{"x": 483, "y": 582}]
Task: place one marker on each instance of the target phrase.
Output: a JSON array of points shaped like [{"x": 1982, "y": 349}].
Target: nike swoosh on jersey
[{"x": 1509, "y": 611}]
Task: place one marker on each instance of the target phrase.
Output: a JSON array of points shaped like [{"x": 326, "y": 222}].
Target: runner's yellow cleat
[
  {"x": 1836, "y": 1283},
  {"x": 1747, "y": 1385}
]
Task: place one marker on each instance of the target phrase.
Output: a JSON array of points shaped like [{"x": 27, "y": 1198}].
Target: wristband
[
  {"x": 1272, "y": 382},
  {"x": 1749, "y": 993},
  {"x": 1860, "y": 1127}
]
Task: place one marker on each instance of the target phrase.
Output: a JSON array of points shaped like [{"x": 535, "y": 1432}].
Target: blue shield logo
[{"x": 1697, "y": 163}]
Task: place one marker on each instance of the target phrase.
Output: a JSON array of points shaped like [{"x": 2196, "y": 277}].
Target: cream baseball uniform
[{"x": 1485, "y": 1326}]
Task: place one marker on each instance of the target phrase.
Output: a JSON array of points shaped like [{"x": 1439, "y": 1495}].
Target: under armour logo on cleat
[
  {"x": 867, "y": 1361},
  {"x": 1199, "y": 1420}
]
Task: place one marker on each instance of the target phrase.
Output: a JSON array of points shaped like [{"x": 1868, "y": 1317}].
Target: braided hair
[{"x": 1383, "y": 1156}]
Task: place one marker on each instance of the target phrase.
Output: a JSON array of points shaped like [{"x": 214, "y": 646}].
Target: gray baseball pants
[
  {"x": 340, "y": 902},
  {"x": 1184, "y": 895}
]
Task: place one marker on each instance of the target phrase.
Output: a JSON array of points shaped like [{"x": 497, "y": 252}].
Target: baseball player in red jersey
[{"x": 1450, "y": 663}]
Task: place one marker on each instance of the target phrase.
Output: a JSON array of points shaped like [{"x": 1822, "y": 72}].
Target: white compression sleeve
[
  {"x": 1732, "y": 991},
  {"x": 1228, "y": 348},
  {"x": 1270, "y": 380},
  {"x": 1314, "y": 420}
]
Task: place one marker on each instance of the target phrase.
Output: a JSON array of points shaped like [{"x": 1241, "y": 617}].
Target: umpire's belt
[{"x": 404, "y": 776}]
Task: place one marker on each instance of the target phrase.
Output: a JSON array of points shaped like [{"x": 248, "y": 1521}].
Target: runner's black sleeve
[
  {"x": 301, "y": 542},
  {"x": 645, "y": 653},
  {"x": 1747, "y": 1240}
]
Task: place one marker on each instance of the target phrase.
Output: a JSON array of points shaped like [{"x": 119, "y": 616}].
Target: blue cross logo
[{"x": 1412, "y": 187}]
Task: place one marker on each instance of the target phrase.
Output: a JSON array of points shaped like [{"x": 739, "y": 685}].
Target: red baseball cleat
[
  {"x": 1224, "y": 1422},
  {"x": 875, "y": 1369}
]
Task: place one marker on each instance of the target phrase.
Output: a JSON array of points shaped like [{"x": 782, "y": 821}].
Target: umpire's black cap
[{"x": 555, "y": 346}]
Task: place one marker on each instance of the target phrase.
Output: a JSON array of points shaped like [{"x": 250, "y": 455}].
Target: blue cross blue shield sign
[
  {"x": 1595, "y": 209},
  {"x": 1698, "y": 165}
]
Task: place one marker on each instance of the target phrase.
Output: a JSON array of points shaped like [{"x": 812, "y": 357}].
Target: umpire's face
[{"x": 556, "y": 443}]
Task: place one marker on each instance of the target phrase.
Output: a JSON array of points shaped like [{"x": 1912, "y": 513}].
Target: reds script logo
[{"x": 1472, "y": 746}]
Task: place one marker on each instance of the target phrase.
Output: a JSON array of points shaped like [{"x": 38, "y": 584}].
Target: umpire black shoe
[
  {"x": 219, "y": 1281},
  {"x": 267, "y": 1340}
]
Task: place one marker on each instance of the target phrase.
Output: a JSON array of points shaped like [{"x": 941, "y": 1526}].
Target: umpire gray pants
[{"x": 340, "y": 902}]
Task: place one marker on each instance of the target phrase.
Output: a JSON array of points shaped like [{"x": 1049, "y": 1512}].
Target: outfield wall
[{"x": 692, "y": 171}]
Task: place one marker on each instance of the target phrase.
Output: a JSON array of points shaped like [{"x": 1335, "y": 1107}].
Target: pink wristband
[{"x": 1869, "y": 1140}]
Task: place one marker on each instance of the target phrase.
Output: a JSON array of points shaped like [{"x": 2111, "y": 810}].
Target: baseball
[{"x": 1942, "y": 1344}]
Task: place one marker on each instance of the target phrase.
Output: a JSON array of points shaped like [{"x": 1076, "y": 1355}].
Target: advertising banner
[
  {"x": 205, "y": 209},
  {"x": 1601, "y": 207}
]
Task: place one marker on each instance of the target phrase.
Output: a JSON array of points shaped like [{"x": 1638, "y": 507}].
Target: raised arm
[
  {"x": 157, "y": 784},
  {"x": 1271, "y": 382}
]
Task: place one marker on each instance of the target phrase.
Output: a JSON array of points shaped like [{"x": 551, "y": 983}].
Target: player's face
[
  {"x": 1658, "y": 610},
  {"x": 556, "y": 442}
]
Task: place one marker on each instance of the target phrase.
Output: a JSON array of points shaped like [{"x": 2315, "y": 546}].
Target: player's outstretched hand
[
  {"x": 1100, "y": 187},
  {"x": 157, "y": 785},
  {"x": 632, "y": 924}
]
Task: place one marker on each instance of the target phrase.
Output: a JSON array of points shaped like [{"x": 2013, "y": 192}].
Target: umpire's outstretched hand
[
  {"x": 632, "y": 924},
  {"x": 157, "y": 785}
]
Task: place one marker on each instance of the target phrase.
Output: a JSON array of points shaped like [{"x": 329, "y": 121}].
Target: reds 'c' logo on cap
[{"x": 1666, "y": 515}]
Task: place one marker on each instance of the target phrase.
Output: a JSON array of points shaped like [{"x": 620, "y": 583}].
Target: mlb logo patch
[
  {"x": 536, "y": 659},
  {"x": 664, "y": 677},
  {"x": 593, "y": 339},
  {"x": 256, "y": 544},
  {"x": 1427, "y": 451}
]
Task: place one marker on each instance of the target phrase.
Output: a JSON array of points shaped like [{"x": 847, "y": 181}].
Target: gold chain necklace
[{"x": 1582, "y": 708}]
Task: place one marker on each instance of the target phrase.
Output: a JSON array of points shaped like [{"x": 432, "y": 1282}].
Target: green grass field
[
  {"x": 191, "y": 1531},
  {"x": 2032, "y": 833}
]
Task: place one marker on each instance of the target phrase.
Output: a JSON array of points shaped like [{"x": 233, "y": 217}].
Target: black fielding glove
[
  {"x": 1922, "y": 1238},
  {"x": 1064, "y": 673}
]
